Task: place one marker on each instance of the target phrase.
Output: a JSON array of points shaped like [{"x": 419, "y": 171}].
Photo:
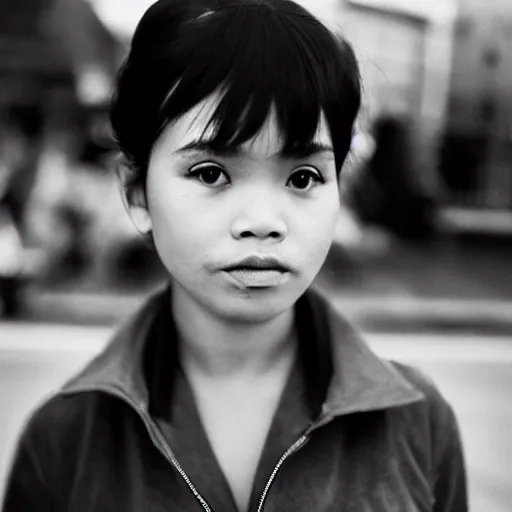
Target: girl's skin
[{"x": 209, "y": 211}]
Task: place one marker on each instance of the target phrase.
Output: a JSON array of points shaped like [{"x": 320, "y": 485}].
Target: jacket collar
[{"x": 360, "y": 380}]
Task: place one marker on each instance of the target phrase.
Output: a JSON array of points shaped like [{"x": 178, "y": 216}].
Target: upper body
[
  {"x": 373, "y": 436},
  {"x": 235, "y": 118}
]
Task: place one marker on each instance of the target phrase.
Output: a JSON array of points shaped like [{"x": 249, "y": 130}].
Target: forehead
[{"x": 194, "y": 126}]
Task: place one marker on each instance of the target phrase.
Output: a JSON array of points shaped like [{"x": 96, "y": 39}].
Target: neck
[{"x": 220, "y": 348}]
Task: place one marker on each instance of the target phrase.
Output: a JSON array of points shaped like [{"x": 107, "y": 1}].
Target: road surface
[{"x": 474, "y": 373}]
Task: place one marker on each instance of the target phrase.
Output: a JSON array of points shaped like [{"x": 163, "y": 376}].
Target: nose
[{"x": 260, "y": 217}]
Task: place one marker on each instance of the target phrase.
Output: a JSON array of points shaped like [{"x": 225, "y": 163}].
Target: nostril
[{"x": 272, "y": 234}]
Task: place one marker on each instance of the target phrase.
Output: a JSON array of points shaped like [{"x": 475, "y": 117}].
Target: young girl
[{"x": 237, "y": 388}]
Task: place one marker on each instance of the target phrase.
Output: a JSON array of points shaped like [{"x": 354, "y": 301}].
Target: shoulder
[
  {"x": 435, "y": 405},
  {"x": 434, "y": 416},
  {"x": 442, "y": 431},
  {"x": 418, "y": 379},
  {"x": 55, "y": 430},
  {"x": 434, "y": 400},
  {"x": 66, "y": 409},
  {"x": 69, "y": 440}
]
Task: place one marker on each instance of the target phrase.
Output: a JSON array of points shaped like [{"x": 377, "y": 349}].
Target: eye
[
  {"x": 305, "y": 178},
  {"x": 209, "y": 174}
]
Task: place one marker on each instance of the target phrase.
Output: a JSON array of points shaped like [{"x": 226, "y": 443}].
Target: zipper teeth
[
  {"x": 157, "y": 437},
  {"x": 178, "y": 467},
  {"x": 294, "y": 447}
]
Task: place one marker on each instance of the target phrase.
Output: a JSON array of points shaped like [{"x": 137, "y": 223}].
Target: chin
[
  {"x": 252, "y": 315},
  {"x": 255, "y": 306},
  {"x": 249, "y": 306}
]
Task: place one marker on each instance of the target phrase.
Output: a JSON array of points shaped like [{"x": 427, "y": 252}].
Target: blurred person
[
  {"x": 20, "y": 146},
  {"x": 11, "y": 255},
  {"x": 236, "y": 386},
  {"x": 384, "y": 191},
  {"x": 11, "y": 246}
]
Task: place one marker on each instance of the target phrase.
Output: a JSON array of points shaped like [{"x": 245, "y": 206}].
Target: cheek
[
  {"x": 173, "y": 215},
  {"x": 321, "y": 217},
  {"x": 185, "y": 231},
  {"x": 318, "y": 225}
]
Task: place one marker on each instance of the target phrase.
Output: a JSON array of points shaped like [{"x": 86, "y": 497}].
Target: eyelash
[{"x": 199, "y": 169}]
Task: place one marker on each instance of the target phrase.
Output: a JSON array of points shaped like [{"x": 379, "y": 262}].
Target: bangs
[{"x": 261, "y": 57}]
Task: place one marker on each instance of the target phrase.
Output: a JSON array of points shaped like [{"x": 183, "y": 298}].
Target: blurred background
[{"x": 424, "y": 243}]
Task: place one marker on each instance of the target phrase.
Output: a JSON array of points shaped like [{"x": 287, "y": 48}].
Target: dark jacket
[{"x": 381, "y": 439}]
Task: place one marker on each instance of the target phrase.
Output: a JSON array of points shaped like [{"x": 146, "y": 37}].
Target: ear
[{"x": 134, "y": 198}]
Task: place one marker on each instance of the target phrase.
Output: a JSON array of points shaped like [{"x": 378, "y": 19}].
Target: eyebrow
[{"x": 207, "y": 146}]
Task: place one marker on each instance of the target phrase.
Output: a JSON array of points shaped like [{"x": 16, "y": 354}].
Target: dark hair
[{"x": 258, "y": 53}]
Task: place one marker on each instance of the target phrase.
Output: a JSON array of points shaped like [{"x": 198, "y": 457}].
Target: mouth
[
  {"x": 259, "y": 263},
  {"x": 258, "y": 272},
  {"x": 257, "y": 278}
]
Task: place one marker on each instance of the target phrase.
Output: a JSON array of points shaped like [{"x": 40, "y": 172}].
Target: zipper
[
  {"x": 303, "y": 439},
  {"x": 158, "y": 439},
  {"x": 170, "y": 456},
  {"x": 293, "y": 448}
]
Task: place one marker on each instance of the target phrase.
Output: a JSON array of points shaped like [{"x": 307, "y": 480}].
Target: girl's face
[{"x": 211, "y": 211}]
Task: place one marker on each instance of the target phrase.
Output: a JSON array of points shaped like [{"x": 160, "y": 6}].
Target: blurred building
[
  {"x": 55, "y": 55},
  {"x": 444, "y": 69},
  {"x": 405, "y": 51},
  {"x": 477, "y": 153}
]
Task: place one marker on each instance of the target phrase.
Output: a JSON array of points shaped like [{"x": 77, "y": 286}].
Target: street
[{"x": 474, "y": 373}]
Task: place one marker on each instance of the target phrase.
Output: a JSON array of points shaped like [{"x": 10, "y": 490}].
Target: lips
[
  {"x": 259, "y": 263},
  {"x": 258, "y": 278},
  {"x": 258, "y": 272}
]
